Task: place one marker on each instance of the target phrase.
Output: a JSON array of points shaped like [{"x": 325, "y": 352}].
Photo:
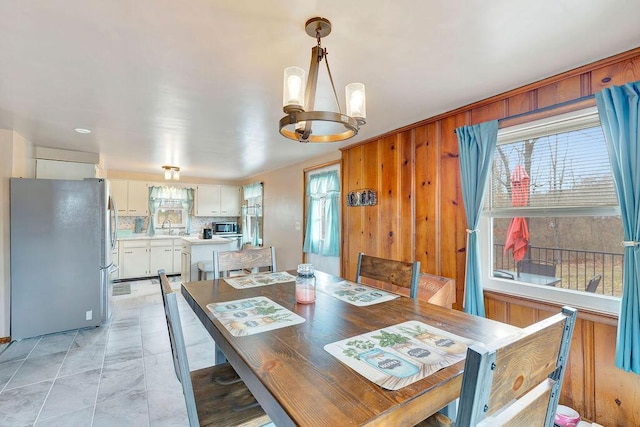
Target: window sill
[{"x": 598, "y": 308}]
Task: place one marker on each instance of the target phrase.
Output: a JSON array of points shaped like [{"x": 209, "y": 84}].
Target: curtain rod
[{"x": 547, "y": 108}]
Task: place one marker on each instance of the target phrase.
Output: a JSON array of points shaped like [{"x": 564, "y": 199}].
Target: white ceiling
[{"x": 198, "y": 83}]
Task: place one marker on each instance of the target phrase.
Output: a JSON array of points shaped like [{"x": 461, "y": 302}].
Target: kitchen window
[
  {"x": 171, "y": 208},
  {"x": 551, "y": 228},
  {"x": 171, "y": 212},
  {"x": 252, "y": 214}
]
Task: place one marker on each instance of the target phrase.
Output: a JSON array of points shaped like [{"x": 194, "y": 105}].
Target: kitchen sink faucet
[{"x": 164, "y": 222}]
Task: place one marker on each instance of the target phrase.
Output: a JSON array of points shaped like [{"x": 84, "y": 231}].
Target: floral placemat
[
  {"x": 400, "y": 355},
  {"x": 259, "y": 279},
  {"x": 250, "y": 316},
  {"x": 356, "y": 294}
]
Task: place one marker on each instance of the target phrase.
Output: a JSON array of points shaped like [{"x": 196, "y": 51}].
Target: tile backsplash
[{"x": 197, "y": 222}]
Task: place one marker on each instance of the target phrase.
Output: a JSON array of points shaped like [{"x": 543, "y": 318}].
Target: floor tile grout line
[
  {"x": 104, "y": 355},
  {"x": 23, "y": 361},
  {"x": 44, "y": 402}
]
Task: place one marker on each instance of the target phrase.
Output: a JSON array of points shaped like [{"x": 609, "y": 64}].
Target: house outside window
[{"x": 551, "y": 226}]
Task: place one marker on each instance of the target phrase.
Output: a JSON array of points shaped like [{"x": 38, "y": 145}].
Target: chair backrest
[
  {"x": 244, "y": 259},
  {"x": 541, "y": 268},
  {"x": 517, "y": 381},
  {"x": 593, "y": 283},
  {"x": 178, "y": 348},
  {"x": 398, "y": 273}
]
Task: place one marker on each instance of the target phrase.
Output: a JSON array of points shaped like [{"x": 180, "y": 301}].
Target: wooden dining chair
[
  {"x": 593, "y": 283},
  {"x": 248, "y": 259},
  {"x": 398, "y": 273},
  {"x": 214, "y": 396},
  {"x": 515, "y": 381}
]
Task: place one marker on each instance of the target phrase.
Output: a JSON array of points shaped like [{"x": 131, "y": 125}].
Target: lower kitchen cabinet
[
  {"x": 134, "y": 259},
  {"x": 177, "y": 256},
  {"x": 160, "y": 257},
  {"x": 144, "y": 257}
]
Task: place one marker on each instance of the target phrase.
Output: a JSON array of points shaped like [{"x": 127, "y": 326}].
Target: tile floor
[{"x": 119, "y": 374}]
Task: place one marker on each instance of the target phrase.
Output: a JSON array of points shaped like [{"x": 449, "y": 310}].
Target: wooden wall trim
[
  {"x": 5, "y": 340},
  {"x": 553, "y": 110},
  {"x": 590, "y": 315},
  {"x": 321, "y": 165},
  {"x": 502, "y": 96}
]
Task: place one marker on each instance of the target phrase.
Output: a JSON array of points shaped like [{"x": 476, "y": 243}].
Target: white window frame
[
  {"x": 256, "y": 207},
  {"x": 158, "y": 223},
  {"x": 594, "y": 302}
]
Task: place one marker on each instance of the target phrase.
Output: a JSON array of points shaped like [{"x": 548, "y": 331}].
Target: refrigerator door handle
[
  {"x": 107, "y": 267},
  {"x": 114, "y": 224}
]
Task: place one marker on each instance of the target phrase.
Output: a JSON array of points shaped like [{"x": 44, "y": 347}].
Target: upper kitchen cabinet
[
  {"x": 217, "y": 200},
  {"x": 132, "y": 197},
  {"x": 229, "y": 200}
]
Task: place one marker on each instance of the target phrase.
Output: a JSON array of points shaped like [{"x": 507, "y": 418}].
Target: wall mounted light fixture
[
  {"x": 298, "y": 102},
  {"x": 171, "y": 172}
]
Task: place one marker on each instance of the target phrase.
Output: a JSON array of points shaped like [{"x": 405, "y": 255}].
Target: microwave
[{"x": 225, "y": 227}]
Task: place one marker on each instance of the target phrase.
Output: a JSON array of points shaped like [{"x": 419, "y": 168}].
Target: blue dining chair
[{"x": 213, "y": 395}]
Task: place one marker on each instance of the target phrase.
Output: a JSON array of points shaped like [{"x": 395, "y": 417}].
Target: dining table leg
[{"x": 220, "y": 357}]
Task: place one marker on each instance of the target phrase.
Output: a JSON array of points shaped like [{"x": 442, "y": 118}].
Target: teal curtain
[
  {"x": 155, "y": 197},
  {"x": 323, "y": 192},
  {"x": 187, "y": 204},
  {"x": 619, "y": 110},
  {"x": 477, "y": 145},
  {"x": 252, "y": 193}
]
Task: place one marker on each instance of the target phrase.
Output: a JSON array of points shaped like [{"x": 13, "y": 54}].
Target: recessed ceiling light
[{"x": 81, "y": 130}]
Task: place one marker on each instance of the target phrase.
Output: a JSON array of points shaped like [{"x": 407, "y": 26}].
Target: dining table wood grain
[{"x": 298, "y": 383}]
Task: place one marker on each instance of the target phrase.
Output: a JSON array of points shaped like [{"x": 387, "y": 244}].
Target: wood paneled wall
[{"x": 420, "y": 216}]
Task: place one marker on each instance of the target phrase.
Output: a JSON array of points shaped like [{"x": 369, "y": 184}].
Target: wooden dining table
[{"x": 298, "y": 383}]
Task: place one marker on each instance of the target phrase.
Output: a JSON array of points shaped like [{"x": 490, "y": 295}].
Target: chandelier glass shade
[
  {"x": 171, "y": 172},
  {"x": 298, "y": 98}
]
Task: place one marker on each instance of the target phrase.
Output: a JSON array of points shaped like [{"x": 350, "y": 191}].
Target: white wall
[
  {"x": 16, "y": 161},
  {"x": 283, "y": 209}
]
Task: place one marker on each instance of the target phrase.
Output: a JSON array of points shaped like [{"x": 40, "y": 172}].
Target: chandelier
[
  {"x": 298, "y": 101},
  {"x": 171, "y": 172}
]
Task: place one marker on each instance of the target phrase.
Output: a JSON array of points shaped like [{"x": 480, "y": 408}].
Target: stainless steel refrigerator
[{"x": 62, "y": 236}]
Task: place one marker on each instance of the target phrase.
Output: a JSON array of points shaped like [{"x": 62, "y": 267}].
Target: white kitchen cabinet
[
  {"x": 229, "y": 200},
  {"x": 55, "y": 169},
  {"x": 138, "y": 198},
  {"x": 134, "y": 259},
  {"x": 218, "y": 200},
  {"x": 195, "y": 250},
  {"x": 160, "y": 256},
  {"x": 177, "y": 256},
  {"x": 132, "y": 197},
  {"x": 144, "y": 257},
  {"x": 208, "y": 200},
  {"x": 120, "y": 192},
  {"x": 185, "y": 268}
]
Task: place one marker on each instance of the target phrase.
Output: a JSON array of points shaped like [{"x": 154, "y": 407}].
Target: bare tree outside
[{"x": 581, "y": 246}]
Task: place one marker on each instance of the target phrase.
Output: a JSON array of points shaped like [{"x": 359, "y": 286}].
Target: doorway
[{"x": 319, "y": 232}]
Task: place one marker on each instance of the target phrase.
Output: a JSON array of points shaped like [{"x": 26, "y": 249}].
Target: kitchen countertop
[
  {"x": 145, "y": 236},
  {"x": 194, "y": 239}
]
